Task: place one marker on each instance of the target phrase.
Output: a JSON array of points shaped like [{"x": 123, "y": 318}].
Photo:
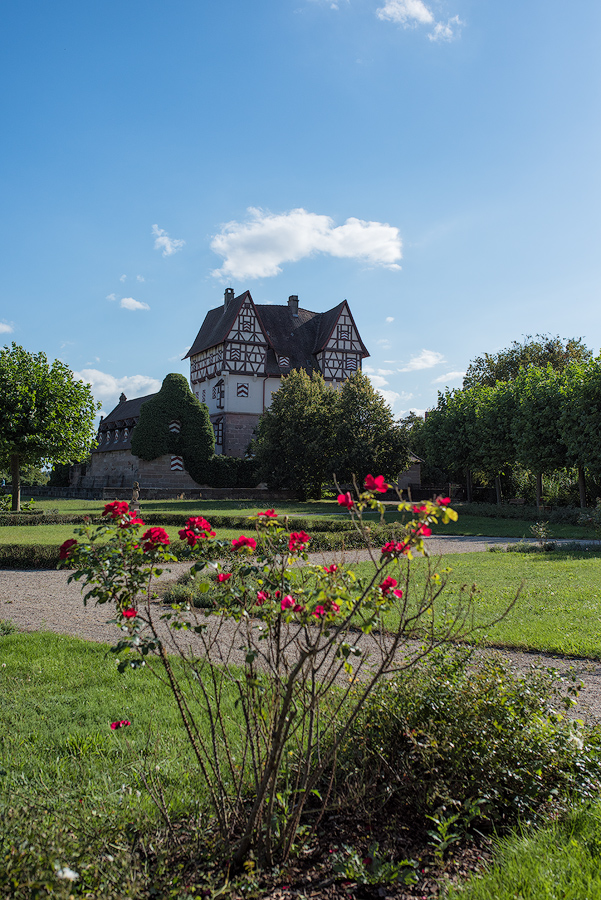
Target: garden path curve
[{"x": 42, "y": 600}]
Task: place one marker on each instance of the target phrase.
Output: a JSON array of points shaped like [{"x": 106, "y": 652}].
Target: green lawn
[
  {"x": 54, "y": 535},
  {"x": 74, "y": 786},
  {"x": 560, "y": 862},
  {"x": 559, "y": 607}
]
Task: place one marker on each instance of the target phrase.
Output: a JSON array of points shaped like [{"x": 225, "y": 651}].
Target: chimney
[
  {"x": 228, "y": 296},
  {"x": 293, "y": 304}
]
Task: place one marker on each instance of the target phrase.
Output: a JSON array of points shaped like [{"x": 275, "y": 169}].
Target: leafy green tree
[
  {"x": 46, "y": 415},
  {"x": 450, "y": 435},
  {"x": 538, "y": 438},
  {"x": 195, "y": 440},
  {"x": 580, "y": 422},
  {"x": 295, "y": 438},
  {"x": 541, "y": 351},
  {"x": 367, "y": 438}
]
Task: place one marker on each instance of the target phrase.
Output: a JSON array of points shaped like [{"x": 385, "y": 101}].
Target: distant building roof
[
  {"x": 124, "y": 415},
  {"x": 298, "y": 337}
]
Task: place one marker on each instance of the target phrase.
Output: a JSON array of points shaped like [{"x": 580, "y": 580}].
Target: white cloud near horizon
[
  {"x": 389, "y": 319},
  {"x": 450, "y": 376},
  {"x": 258, "y": 247},
  {"x": 5, "y": 328},
  {"x": 425, "y": 360},
  {"x": 130, "y": 303},
  {"x": 107, "y": 388},
  {"x": 140, "y": 278},
  {"x": 167, "y": 245},
  {"x": 411, "y": 13}
]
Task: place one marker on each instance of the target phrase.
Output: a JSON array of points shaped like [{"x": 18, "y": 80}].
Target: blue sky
[{"x": 435, "y": 162}]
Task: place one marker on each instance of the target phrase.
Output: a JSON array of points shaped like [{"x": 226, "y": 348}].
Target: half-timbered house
[{"x": 243, "y": 350}]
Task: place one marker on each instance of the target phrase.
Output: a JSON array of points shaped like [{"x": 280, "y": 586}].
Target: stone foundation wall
[
  {"x": 238, "y": 431},
  {"x": 120, "y": 468}
]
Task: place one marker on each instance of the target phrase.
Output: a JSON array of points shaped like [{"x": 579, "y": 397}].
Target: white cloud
[
  {"x": 426, "y": 360},
  {"x": 450, "y": 376},
  {"x": 258, "y": 247},
  {"x": 130, "y": 303},
  {"x": 122, "y": 277},
  {"x": 390, "y": 319},
  {"x": 163, "y": 242},
  {"x": 140, "y": 278},
  {"x": 391, "y": 397},
  {"x": 405, "y": 12},
  {"x": 111, "y": 297},
  {"x": 5, "y": 328},
  {"x": 378, "y": 381},
  {"x": 413, "y": 409},
  {"x": 107, "y": 388},
  {"x": 411, "y": 13},
  {"x": 446, "y": 32}
]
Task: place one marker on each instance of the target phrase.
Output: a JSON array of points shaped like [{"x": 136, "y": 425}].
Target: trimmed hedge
[
  {"x": 561, "y": 515},
  {"x": 43, "y": 519},
  {"x": 28, "y": 556},
  {"x": 40, "y": 556}
]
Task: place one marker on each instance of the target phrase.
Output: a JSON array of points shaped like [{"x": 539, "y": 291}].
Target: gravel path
[{"x": 37, "y": 600}]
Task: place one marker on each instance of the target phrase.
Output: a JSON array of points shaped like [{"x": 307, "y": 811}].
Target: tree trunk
[
  {"x": 498, "y": 489},
  {"x": 582, "y": 487},
  {"x": 539, "y": 489},
  {"x": 468, "y": 485},
  {"x": 16, "y": 482}
]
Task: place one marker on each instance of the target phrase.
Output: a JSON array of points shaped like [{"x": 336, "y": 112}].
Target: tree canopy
[
  {"x": 46, "y": 414},
  {"x": 195, "y": 439},
  {"x": 312, "y": 432},
  {"x": 540, "y": 351}
]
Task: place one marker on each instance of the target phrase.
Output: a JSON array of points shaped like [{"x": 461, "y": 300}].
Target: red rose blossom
[
  {"x": 270, "y": 513},
  {"x": 122, "y": 724},
  {"x": 243, "y": 542},
  {"x": 116, "y": 509},
  {"x": 224, "y": 576},
  {"x": 287, "y": 602},
  {"x": 129, "y": 613},
  {"x": 376, "y": 484},
  {"x": 387, "y": 584},
  {"x": 262, "y": 596},
  {"x": 63, "y": 553},
  {"x": 345, "y": 500},
  {"x": 318, "y": 612},
  {"x": 154, "y": 537},
  {"x": 443, "y": 501},
  {"x": 329, "y": 570},
  {"x": 298, "y": 541}
]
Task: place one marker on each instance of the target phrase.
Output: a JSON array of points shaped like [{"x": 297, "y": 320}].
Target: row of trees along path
[{"x": 537, "y": 404}]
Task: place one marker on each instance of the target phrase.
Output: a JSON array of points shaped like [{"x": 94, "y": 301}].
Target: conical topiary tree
[{"x": 156, "y": 434}]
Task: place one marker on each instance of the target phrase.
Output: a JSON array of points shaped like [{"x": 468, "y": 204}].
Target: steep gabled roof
[
  {"x": 298, "y": 337},
  {"x": 217, "y": 325},
  {"x": 288, "y": 335}
]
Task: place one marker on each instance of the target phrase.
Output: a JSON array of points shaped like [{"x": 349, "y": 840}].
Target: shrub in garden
[
  {"x": 467, "y": 734},
  {"x": 312, "y": 642}
]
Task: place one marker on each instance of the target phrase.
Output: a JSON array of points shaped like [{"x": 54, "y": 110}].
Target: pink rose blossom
[
  {"x": 319, "y": 612},
  {"x": 122, "y": 724},
  {"x": 262, "y": 596},
  {"x": 287, "y": 602},
  {"x": 224, "y": 576},
  {"x": 329, "y": 570}
]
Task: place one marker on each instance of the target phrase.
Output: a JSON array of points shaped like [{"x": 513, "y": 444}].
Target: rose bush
[{"x": 302, "y": 646}]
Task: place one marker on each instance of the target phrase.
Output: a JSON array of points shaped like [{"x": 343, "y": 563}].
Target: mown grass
[
  {"x": 466, "y": 525},
  {"x": 73, "y": 792},
  {"x": 559, "y": 862},
  {"x": 558, "y": 609}
]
